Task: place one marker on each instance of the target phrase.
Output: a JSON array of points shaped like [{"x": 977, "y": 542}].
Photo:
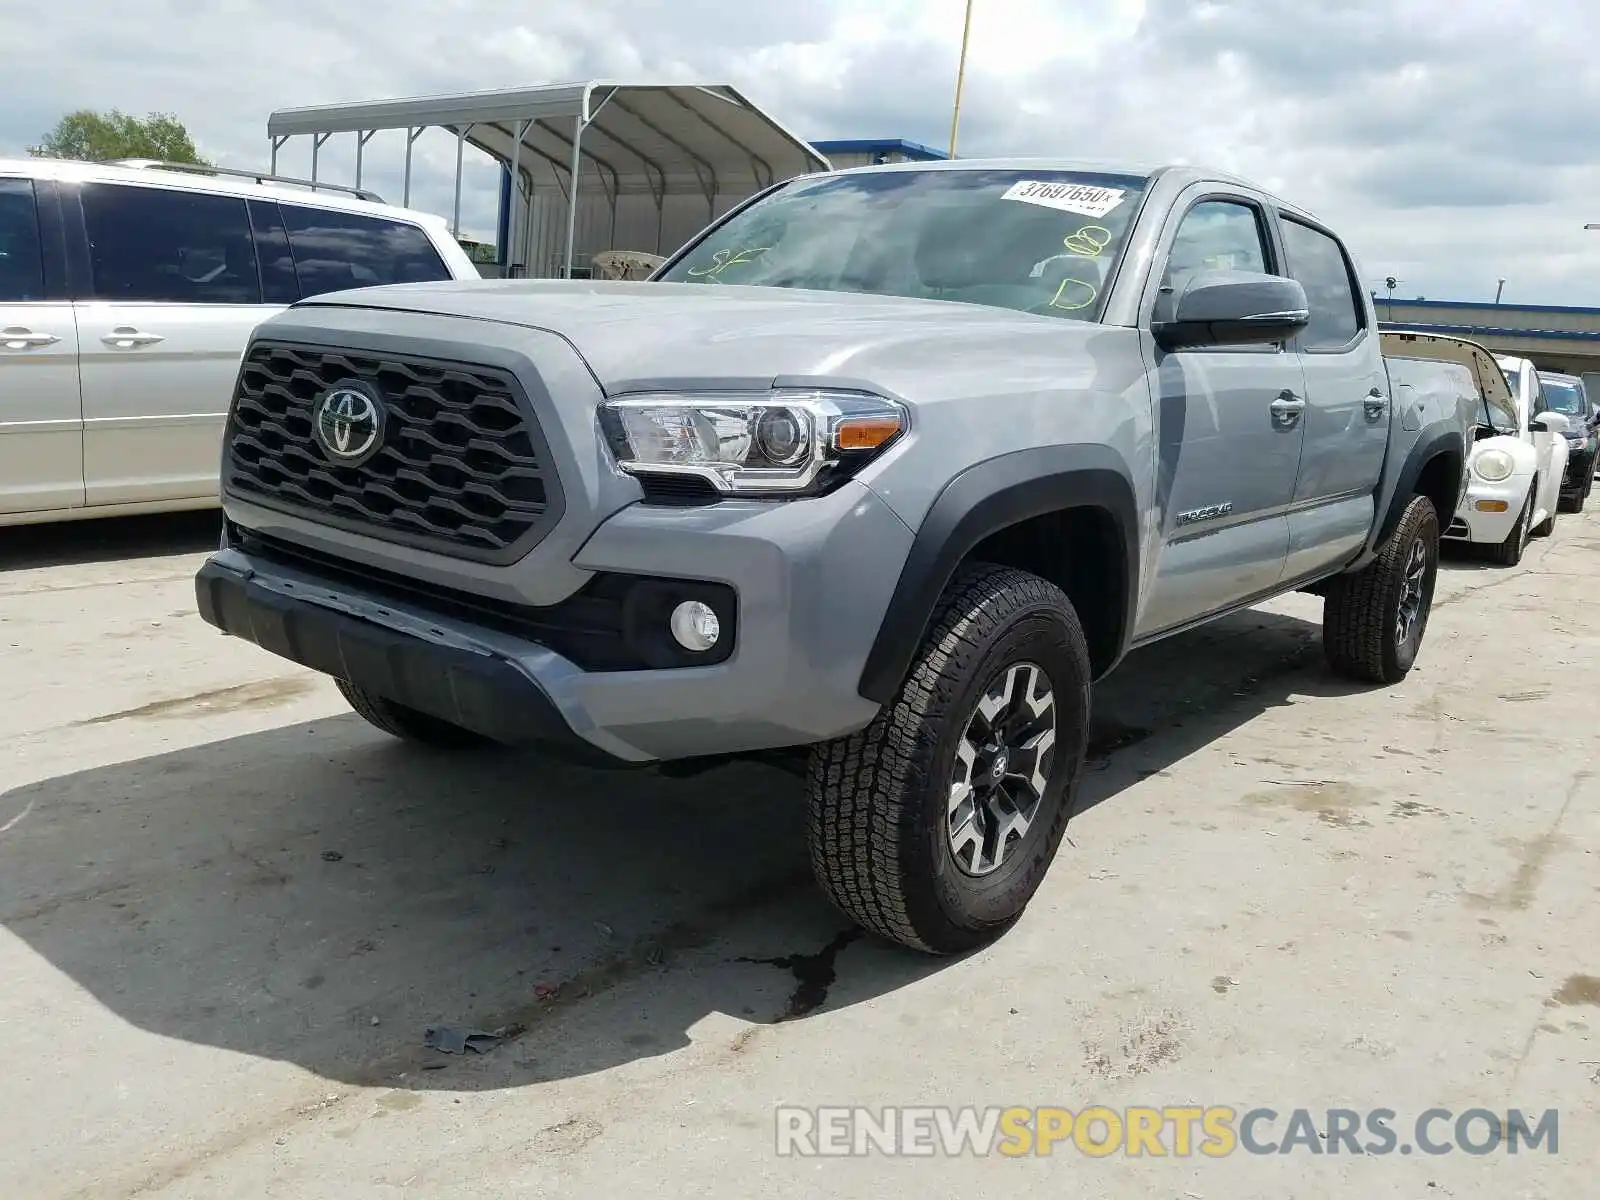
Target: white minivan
[{"x": 127, "y": 293}]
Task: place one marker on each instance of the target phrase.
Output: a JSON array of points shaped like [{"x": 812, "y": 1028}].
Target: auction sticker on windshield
[{"x": 1086, "y": 200}]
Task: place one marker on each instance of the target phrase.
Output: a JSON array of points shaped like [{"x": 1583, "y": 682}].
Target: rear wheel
[
  {"x": 1374, "y": 619},
  {"x": 405, "y": 723},
  {"x": 934, "y": 825}
]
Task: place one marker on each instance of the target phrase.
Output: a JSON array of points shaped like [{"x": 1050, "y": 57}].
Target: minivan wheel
[
  {"x": 405, "y": 723},
  {"x": 1373, "y": 620},
  {"x": 934, "y": 826}
]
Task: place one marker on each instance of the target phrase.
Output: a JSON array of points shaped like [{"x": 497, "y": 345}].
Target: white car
[
  {"x": 1519, "y": 455},
  {"x": 127, "y": 293},
  {"x": 1515, "y": 471}
]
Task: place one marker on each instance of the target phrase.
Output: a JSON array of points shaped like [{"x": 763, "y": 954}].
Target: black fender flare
[
  {"x": 1430, "y": 445},
  {"x": 983, "y": 499}
]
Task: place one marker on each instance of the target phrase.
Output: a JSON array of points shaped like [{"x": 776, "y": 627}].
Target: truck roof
[{"x": 1183, "y": 173}]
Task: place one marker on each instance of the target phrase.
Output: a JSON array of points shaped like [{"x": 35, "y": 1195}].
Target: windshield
[
  {"x": 1498, "y": 412},
  {"x": 1513, "y": 378},
  {"x": 1035, "y": 241},
  {"x": 1565, "y": 398}
]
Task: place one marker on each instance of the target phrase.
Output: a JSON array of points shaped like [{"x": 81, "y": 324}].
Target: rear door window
[
  {"x": 156, "y": 245},
  {"x": 335, "y": 250},
  {"x": 21, "y": 255},
  {"x": 1319, "y": 263}
]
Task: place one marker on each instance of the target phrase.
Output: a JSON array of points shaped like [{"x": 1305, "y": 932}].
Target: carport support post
[
  {"x": 461, "y": 145},
  {"x": 411, "y": 140},
  {"x": 316, "y": 151},
  {"x": 508, "y": 254},
  {"x": 572, "y": 190},
  {"x": 362, "y": 138}
]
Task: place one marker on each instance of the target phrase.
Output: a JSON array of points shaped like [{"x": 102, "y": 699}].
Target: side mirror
[
  {"x": 1550, "y": 422},
  {"x": 1231, "y": 308}
]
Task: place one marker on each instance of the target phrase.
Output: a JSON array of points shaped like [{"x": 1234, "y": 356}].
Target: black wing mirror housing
[{"x": 1232, "y": 308}]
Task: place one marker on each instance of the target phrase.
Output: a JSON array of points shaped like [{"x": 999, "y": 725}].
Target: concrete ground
[{"x": 229, "y": 910}]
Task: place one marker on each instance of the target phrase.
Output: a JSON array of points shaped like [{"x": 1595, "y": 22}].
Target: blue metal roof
[
  {"x": 1489, "y": 305},
  {"x": 1575, "y": 335},
  {"x": 912, "y": 150}
]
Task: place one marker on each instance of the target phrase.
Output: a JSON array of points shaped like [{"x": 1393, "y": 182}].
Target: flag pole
[{"x": 961, "y": 75}]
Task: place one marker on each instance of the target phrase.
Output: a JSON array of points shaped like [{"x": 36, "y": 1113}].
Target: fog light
[
  {"x": 1490, "y": 505},
  {"x": 695, "y": 626}
]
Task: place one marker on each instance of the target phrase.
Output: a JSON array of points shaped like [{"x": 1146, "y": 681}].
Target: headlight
[
  {"x": 771, "y": 443},
  {"x": 1493, "y": 465}
]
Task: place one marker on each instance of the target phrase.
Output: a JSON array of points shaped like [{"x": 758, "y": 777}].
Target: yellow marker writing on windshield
[
  {"x": 1089, "y": 241},
  {"x": 1074, "y": 294},
  {"x": 723, "y": 259}
]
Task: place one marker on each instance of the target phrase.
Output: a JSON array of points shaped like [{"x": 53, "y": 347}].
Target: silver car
[{"x": 127, "y": 295}]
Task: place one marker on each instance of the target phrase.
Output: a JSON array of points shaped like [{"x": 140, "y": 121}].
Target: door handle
[
  {"x": 16, "y": 337},
  {"x": 1286, "y": 409},
  {"x": 1374, "y": 404},
  {"x": 126, "y": 337}
]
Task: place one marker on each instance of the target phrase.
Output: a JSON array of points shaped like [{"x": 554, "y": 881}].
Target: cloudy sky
[{"x": 1453, "y": 141}]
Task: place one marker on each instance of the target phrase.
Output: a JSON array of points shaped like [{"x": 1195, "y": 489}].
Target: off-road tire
[
  {"x": 1509, "y": 552},
  {"x": 1360, "y": 612},
  {"x": 878, "y": 811},
  {"x": 407, "y": 723}
]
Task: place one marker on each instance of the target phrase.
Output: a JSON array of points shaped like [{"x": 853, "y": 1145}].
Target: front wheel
[
  {"x": 1509, "y": 552},
  {"x": 405, "y": 723},
  {"x": 934, "y": 826},
  {"x": 1373, "y": 620}
]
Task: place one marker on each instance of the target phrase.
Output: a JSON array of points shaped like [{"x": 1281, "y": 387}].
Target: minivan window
[
  {"x": 21, "y": 259},
  {"x": 1318, "y": 263},
  {"x": 161, "y": 245},
  {"x": 335, "y": 250},
  {"x": 279, "y": 283}
]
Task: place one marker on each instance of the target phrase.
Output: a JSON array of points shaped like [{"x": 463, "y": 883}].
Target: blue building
[{"x": 863, "y": 152}]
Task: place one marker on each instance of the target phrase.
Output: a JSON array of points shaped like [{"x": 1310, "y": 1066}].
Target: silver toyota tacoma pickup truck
[{"x": 882, "y": 471}]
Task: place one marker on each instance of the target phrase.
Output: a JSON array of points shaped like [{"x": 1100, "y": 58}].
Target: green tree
[{"x": 98, "y": 137}]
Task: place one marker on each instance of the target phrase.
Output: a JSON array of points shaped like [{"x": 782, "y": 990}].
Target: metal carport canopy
[{"x": 631, "y": 138}]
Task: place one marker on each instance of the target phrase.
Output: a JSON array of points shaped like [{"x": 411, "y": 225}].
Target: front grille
[
  {"x": 462, "y": 468},
  {"x": 1458, "y": 528}
]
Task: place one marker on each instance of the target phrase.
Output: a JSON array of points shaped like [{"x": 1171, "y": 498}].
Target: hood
[{"x": 638, "y": 335}]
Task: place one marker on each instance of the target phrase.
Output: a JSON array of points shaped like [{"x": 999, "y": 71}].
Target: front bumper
[
  {"x": 415, "y": 664},
  {"x": 813, "y": 579},
  {"x": 1474, "y": 524}
]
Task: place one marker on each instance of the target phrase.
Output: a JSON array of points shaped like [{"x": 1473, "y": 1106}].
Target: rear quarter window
[{"x": 335, "y": 250}]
